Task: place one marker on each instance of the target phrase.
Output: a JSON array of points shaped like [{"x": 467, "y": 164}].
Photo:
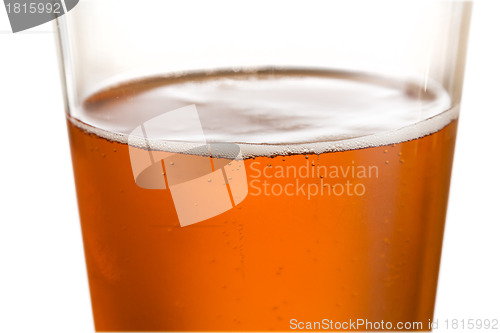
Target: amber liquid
[{"x": 272, "y": 258}]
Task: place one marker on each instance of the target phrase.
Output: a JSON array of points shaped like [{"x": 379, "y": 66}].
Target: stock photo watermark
[
  {"x": 207, "y": 179},
  {"x": 311, "y": 179},
  {"x": 26, "y": 14},
  {"x": 381, "y": 325}
]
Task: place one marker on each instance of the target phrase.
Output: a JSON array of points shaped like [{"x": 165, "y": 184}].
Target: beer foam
[{"x": 269, "y": 113}]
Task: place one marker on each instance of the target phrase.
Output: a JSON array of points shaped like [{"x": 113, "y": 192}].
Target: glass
[{"x": 263, "y": 165}]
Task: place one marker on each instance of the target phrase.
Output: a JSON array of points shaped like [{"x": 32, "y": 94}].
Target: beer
[{"x": 347, "y": 181}]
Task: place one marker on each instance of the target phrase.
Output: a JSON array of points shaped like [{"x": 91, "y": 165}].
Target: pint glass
[{"x": 263, "y": 165}]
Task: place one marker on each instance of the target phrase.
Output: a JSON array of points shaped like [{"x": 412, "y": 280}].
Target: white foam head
[{"x": 273, "y": 114}]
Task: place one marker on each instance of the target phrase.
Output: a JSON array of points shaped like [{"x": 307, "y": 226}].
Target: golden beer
[{"x": 347, "y": 185}]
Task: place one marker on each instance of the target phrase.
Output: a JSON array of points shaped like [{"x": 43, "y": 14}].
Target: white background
[{"x": 43, "y": 284}]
